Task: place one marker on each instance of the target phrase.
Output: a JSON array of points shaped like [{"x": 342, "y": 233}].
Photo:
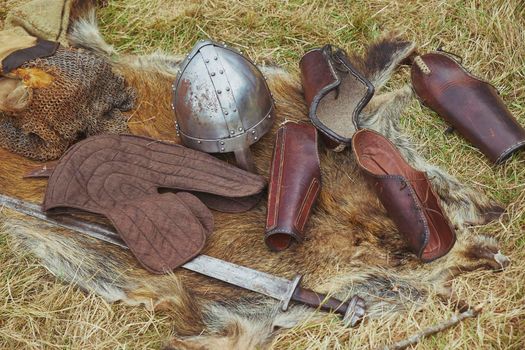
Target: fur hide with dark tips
[{"x": 349, "y": 228}]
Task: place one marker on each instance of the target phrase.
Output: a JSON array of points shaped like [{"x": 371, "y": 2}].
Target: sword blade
[
  {"x": 87, "y": 228},
  {"x": 256, "y": 281},
  {"x": 240, "y": 276}
]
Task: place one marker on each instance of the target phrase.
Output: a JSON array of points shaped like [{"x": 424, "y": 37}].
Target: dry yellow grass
[{"x": 38, "y": 312}]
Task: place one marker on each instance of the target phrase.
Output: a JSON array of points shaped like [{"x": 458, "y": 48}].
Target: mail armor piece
[
  {"x": 335, "y": 93},
  {"x": 471, "y": 105},
  {"x": 120, "y": 177},
  {"x": 406, "y": 194},
  {"x": 295, "y": 183},
  {"x": 222, "y": 102},
  {"x": 52, "y": 96}
]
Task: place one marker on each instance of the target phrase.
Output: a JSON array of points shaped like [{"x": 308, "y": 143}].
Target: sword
[{"x": 257, "y": 281}]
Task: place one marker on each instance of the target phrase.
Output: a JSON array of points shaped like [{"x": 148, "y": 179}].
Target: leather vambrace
[
  {"x": 295, "y": 183},
  {"x": 470, "y": 105}
]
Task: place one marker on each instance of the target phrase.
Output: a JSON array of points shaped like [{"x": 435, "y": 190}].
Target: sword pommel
[{"x": 355, "y": 312}]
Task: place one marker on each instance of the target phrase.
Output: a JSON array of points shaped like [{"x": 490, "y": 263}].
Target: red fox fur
[{"x": 351, "y": 247}]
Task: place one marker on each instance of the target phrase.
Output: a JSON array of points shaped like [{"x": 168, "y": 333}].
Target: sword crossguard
[
  {"x": 289, "y": 293},
  {"x": 352, "y": 311}
]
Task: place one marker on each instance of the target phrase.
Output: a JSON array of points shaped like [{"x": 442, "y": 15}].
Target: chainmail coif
[{"x": 85, "y": 98}]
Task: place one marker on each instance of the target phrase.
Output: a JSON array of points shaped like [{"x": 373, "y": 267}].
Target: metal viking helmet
[{"x": 222, "y": 102}]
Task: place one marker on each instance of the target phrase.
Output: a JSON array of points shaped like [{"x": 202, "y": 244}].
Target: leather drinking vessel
[
  {"x": 335, "y": 93},
  {"x": 469, "y": 104},
  {"x": 295, "y": 182},
  {"x": 406, "y": 194}
]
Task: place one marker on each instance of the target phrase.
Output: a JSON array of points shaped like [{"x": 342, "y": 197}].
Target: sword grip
[{"x": 353, "y": 311}]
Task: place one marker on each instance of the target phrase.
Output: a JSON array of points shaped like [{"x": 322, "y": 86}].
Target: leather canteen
[
  {"x": 335, "y": 93},
  {"x": 469, "y": 104},
  {"x": 295, "y": 182},
  {"x": 406, "y": 194},
  {"x": 120, "y": 177}
]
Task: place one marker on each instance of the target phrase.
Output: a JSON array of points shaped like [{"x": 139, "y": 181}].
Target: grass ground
[{"x": 37, "y": 312}]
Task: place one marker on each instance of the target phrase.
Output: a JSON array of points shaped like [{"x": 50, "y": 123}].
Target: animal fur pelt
[{"x": 351, "y": 247}]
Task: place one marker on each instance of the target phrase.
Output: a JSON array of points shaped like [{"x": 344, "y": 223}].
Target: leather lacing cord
[
  {"x": 335, "y": 56},
  {"x": 440, "y": 49},
  {"x": 338, "y": 58},
  {"x": 423, "y": 201},
  {"x": 457, "y": 58},
  {"x": 404, "y": 184},
  {"x": 430, "y": 222}
]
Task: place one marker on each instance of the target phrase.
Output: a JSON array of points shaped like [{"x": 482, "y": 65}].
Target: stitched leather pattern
[
  {"x": 309, "y": 199},
  {"x": 406, "y": 194},
  {"x": 120, "y": 177},
  {"x": 276, "y": 175},
  {"x": 103, "y": 170},
  {"x": 161, "y": 230}
]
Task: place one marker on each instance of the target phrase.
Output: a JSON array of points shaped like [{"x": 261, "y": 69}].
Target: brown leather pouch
[
  {"x": 406, "y": 194},
  {"x": 119, "y": 176},
  {"x": 335, "y": 93},
  {"x": 470, "y": 105},
  {"x": 295, "y": 182}
]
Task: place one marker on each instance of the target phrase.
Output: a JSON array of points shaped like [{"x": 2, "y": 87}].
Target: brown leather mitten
[
  {"x": 162, "y": 230},
  {"x": 119, "y": 176},
  {"x": 472, "y": 106},
  {"x": 295, "y": 182}
]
